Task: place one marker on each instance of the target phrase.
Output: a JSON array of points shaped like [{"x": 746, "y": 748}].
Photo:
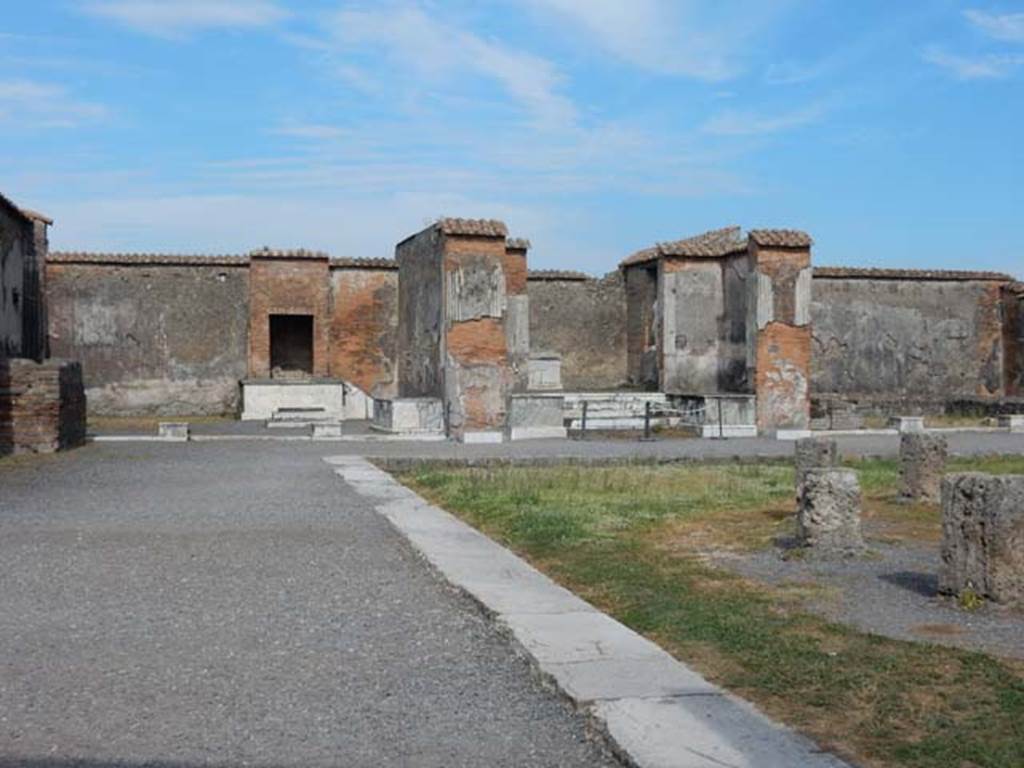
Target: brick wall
[
  {"x": 42, "y": 406},
  {"x": 364, "y": 328},
  {"x": 288, "y": 285}
]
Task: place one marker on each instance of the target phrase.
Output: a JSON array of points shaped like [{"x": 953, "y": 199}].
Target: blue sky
[{"x": 892, "y": 131}]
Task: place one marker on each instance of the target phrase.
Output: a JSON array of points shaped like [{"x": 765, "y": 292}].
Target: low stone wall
[{"x": 42, "y": 406}]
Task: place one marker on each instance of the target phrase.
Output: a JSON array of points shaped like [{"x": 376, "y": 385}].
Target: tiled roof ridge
[
  {"x": 715, "y": 242},
  {"x": 17, "y": 209},
  {"x": 368, "y": 263},
  {"x": 96, "y": 257},
  {"x": 518, "y": 244},
  {"x": 878, "y": 273},
  {"x": 287, "y": 253},
  {"x": 472, "y": 227},
  {"x": 781, "y": 238}
]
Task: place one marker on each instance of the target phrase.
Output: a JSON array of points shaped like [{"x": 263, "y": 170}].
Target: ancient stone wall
[
  {"x": 584, "y": 320},
  {"x": 154, "y": 334},
  {"x": 42, "y": 406},
  {"x": 420, "y": 307},
  {"x": 910, "y": 339},
  {"x": 364, "y": 326},
  {"x": 641, "y": 286},
  {"x": 16, "y": 249}
]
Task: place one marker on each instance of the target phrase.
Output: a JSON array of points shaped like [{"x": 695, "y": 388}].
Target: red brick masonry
[{"x": 42, "y": 406}]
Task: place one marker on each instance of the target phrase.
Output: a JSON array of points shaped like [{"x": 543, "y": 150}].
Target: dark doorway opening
[{"x": 291, "y": 346}]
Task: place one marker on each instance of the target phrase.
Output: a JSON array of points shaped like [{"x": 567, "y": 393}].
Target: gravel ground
[
  {"x": 237, "y": 604},
  {"x": 891, "y": 592}
]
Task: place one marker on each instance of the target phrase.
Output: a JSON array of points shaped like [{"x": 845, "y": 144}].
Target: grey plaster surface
[
  {"x": 656, "y": 711},
  {"x": 236, "y": 604}
]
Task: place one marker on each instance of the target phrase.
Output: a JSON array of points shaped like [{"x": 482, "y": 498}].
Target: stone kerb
[
  {"x": 828, "y": 512},
  {"x": 983, "y": 537},
  {"x": 922, "y": 461}
]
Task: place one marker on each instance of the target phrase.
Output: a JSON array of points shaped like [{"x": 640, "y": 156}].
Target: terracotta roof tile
[
  {"x": 473, "y": 227},
  {"x": 717, "y": 242},
  {"x": 870, "y": 273},
  {"x": 781, "y": 238},
  {"x": 518, "y": 244},
  {"x": 342, "y": 262},
  {"x": 170, "y": 259},
  {"x": 286, "y": 253}
]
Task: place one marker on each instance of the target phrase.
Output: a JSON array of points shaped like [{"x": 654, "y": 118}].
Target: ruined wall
[
  {"x": 517, "y": 313},
  {"x": 287, "y": 283},
  {"x": 704, "y": 315},
  {"x": 915, "y": 339},
  {"x": 641, "y": 286},
  {"x": 364, "y": 327},
  {"x": 420, "y": 306},
  {"x": 583, "y": 320},
  {"x": 477, "y": 371},
  {"x": 1013, "y": 339},
  {"x": 15, "y": 251},
  {"x": 42, "y": 406},
  {"x": 155, "y": 335}
]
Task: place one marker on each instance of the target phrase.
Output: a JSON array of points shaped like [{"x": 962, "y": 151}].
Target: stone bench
[{"x": 174, "y": 430}]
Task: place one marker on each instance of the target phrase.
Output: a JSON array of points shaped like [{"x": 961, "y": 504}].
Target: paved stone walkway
[{"x": 235, "y": 604}]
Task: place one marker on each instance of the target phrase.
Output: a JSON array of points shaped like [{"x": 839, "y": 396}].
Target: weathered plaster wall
[
  {"x": 1013, "y": 339},
  {"x": 287, "y": 285},
  {"x": 15, "y": 251},
  {"x": 913, "y": 340},
  {"x": 477, "y": 374},
  {"x": 420, "y": 306},
  {"x": 704, "y": 317},
  {"x": 584, "y": 321},
  {"x": 152, "y": 338},
  {"x": 641, "y": 287},
  {"x": 364, "y": 329}
]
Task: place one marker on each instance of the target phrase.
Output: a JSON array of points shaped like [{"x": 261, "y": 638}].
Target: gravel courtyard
[{"x": 237, "y": 604}]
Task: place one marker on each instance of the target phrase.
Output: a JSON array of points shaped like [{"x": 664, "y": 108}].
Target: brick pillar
[
  {"x": 779, "y": 328},
  {"x": 478, "y": 375},
  {"x": 517, "y": 314}
]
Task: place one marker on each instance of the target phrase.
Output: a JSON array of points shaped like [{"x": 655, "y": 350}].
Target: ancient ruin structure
[
  {"x": 983, "y": 537},
  {"x": 457, "y": 336},
  {"x": 42, "y": 401},
  {"x": 811, "y": 452},
  {"x": 922, "y": 462},
  {"x": 828, "y": 512}
]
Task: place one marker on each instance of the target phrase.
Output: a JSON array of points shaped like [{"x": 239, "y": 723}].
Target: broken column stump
[
  {"x": 983, "y": 537},
  {"x": 922, "y": 462},
  {"x": 828, "y": 512},
  {"x": 809, "y": 452}
]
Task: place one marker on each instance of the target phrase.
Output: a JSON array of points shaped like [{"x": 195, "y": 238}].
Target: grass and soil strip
[{"x": 632, "y": 540}]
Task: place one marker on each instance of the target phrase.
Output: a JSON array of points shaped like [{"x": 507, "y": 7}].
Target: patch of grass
[
  {"x": 146, "y": 423},
  {"x": 631, "y": 540}
]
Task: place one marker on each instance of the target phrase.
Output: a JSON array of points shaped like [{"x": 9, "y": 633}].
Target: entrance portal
[{"x": 291, "y": 346}]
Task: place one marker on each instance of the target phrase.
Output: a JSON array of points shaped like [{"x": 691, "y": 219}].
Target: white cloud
[
  {"x": 673, "y": 37},
  {"x": 29, "y": 103},
  {"x": 737, "y": 123},
  {"x": 175, "y": 18},
  {"x": 1008, "y": 27},
  {"x": 986, "y": 67},
  {"x": 435, "y": 52}
]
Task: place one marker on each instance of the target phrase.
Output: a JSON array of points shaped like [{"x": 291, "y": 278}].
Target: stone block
[
  {"x": 534, "y": 416},
  {"x": 327, "y": 430},
  {"x": 922, "y": 462},
  {"x": 983, "y": 537},
  {"x": 1013, "y": 422},
  {"x": 828, "y": 512},
  {"x": 905, "y": 424},
  {"x": 409, "y": 415},
  {"x": 173, "y": 430},
  {"x": 263, "y": 399},
  {"x": 545, "y": 372},
  {"x": 811, "y": 452}
]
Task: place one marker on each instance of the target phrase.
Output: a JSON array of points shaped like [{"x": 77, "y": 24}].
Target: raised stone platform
[
  {"x": 409, "y": 416},
  {"x": 263, "y": 398},
  {"x": 535, "y": 415}
]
